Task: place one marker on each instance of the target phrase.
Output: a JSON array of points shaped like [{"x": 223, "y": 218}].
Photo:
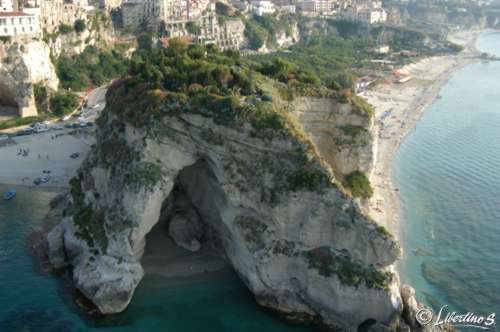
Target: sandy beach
[
  {"x": 164, "y": 259},
  {"x": 398, "y": 108},
  {"x": 25, "y": 158}
]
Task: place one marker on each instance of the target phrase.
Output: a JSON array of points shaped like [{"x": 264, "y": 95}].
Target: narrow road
[{"x": 97, "y": 96}]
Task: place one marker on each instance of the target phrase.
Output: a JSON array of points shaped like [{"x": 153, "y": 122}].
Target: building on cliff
[
  {"x": 152, "y": 14},
  {"x": 263, "y": 7},
  {"x": 53, "y": 13},
  {"x": 15, "y": 23},
  {"x": 367, "y": 11},
  {"x": 183, "y": 18}
]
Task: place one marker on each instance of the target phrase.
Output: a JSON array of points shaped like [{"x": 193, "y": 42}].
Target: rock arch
[
  {"x": 189, "y": 226},
  {"x": 280, "y": 247}
]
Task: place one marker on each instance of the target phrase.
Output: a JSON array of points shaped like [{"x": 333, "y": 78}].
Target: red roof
[{"x": 9, "y": 14}]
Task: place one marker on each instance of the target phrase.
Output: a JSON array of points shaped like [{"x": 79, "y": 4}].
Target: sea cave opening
[
  {"x": 187, "y": 240},
  {"x": 9, "y": 108}
]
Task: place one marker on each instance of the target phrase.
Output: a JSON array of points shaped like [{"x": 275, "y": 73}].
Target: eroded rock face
[
  {"x": 301, "y": 246},
  {"x": 343, "y": 136},
  {"x": 22, "y": 66},
  {"x": 185, "y": 225}
]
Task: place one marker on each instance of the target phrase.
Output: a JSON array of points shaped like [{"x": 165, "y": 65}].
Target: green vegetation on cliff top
[
  {"x": 202, "y": 80},
  {"x": 92, "y": 67}
]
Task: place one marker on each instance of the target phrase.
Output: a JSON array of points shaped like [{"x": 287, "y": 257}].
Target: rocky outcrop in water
[{"x": 253, "y": 179}]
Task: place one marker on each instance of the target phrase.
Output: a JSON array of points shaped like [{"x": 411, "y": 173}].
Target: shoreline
[
  {"x": 26, "y": 158},
  {"x": 398, "y": 109}
]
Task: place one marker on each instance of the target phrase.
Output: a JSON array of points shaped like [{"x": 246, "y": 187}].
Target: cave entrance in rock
[
  {"x": 9, "y": 108},
  {"x": 185, "y": 240}
]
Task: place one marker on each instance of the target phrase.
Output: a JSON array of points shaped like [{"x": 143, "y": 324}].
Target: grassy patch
[
  {"x": 352, "y": 131},
  {"x": 89, "y": 223},
  {"x": 327, "y": 263},
  {"x": 16, "y": 122},
  {"x": 304, "y": 179},
  {"x": 145, "y": 174},
  {"x": 361, "y": 106},
  {"x": 359, "y": 184},
  {"x": 385, "y": 232}
]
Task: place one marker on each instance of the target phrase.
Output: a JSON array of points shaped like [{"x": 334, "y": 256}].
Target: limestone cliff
[
  {"x": 22, "y": 66},
  {"x": 342, "y": 133},
  {"x": 237, "y": 173},
  {"x": 99, "y": 32},
  {"x": 288, "y": 37}
]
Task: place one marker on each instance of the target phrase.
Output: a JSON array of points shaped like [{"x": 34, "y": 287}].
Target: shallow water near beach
[
  {"x": 34, "y": 301},
  {"x": 448, "y": 172}
]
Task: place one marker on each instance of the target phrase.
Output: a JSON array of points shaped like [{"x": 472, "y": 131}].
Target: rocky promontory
[{"x": 230, "y": 159}]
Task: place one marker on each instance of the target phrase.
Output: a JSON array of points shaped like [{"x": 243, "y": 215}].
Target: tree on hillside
[
  {"x": 80, "y": 26},
  {"x": 64, "y": 102}
]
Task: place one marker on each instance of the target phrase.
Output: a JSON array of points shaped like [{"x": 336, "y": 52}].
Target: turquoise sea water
[
  {"x": 33, "y": 301},
  {"x": 448, "y": 172}
]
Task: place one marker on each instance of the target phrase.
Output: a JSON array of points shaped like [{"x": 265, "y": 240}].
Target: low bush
[{"x": 359, "y": 184}]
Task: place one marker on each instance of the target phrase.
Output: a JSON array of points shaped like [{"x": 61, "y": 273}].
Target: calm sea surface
[
  {"x": 34, "y": 301},
  {"x": 449, "y": 175},
  {"x": 448, "y": 172}
]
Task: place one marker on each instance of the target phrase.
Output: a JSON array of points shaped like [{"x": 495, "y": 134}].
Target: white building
[
  {"x": 261, "y": 7},
  {"x": 6, "y": 6},
  {"x": 14, "y": 24},
  {"x": 110, "y": 4},
  {"x": 288, "y": 9},
  {"x": 372, "y": 16},
  {"x": 318, "y": 6},
  {"x": 368, "y": 11},
  {"x": 151, "y": 13}
]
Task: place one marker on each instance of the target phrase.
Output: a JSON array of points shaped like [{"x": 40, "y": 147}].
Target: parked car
[{"x": 27, "y": 131}]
